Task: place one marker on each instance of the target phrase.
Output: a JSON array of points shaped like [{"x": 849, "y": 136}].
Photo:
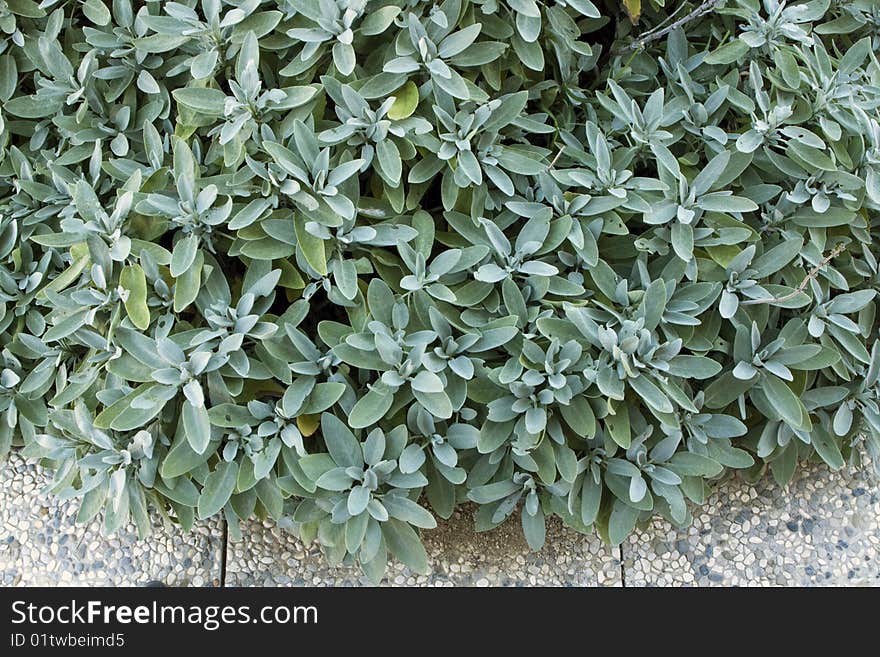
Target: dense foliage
[{"x": 349, "y": 263}]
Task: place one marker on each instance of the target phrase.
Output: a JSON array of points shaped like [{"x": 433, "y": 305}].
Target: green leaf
[
  {"x": 30, "y": 107},
  {"x": 688, "y": 464},
  {"x": 132, "y": 280},
  {"x": 729, "y": 53},
  {"x": 181, "y": 458},
  {"x": 408, "y": 511},
  {"x": 217, "y": 489},
  {"x": 389, "y": 160},
  {"x": 323, "y": 397},
  {"x": 210, "y": 102},
  {"x": 591, "y": 499},
  {"x": 26, "y": 8},
  {"x": 534, "y": 529},
  {"x": 312, "y": 247},
  {"x": 784, "y": 464},
  {"x": 406, "y": 99},
  {"x": 186, "y": 288},
  {"x": 97, "y": 12},
  {"x": 618, "y": 426},
  {"x": 184, "y": 255},
  {"x": 404, "y": 543},
  {"x": 826, "y": 447},
  {"x": 437, "y": 403},
  {"x": 720, "y": 202},
  {"x": 341, "y": 443},
  {"x": 370, "y": 408},
  {"x": 683, "y": 241},
  {"x": 783, "y": 400},
  {"x": 622, "y": 522},
  {"x": 579, "y": 416},
  {"x": 520, "y": 161},
  {"x": 197, "y": 426},
  {"x": 492, "y": 492},
  {"x": 650, "y": 394},
  {"x": 693, "y": 367}
]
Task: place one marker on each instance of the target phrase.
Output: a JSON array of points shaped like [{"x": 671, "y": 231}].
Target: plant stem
[
  {"x": 651, "y": 35},
  {"x": 800, "y": 288}
]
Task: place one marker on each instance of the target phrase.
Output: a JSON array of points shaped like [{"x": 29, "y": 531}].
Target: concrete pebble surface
[
  {"x": 40, "y": 545},
  {"x": 823, "y": 530},
  {"x": 458, "y": 556}
]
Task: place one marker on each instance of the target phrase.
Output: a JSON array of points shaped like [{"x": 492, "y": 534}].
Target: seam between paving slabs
[{"x": 223, "y": 553}]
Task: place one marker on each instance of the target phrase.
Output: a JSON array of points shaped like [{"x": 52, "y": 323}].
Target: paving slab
[
  {"x": 41, "y": 546},
  {"x": 458, "y": 556},
  {"x": 823, "y": 529}
]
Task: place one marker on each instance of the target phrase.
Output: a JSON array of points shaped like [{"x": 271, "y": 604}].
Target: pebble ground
[
  {"x": 823, "y": 530},
  {"x": 458, "y": 556},
  {"x": 40, "y": 545}
]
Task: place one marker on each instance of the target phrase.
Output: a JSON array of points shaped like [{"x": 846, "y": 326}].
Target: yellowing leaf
[
  {"x": 312, "y": 247},
  {"x": 290, "y": 276},
  {"x": 633, "y": 9},
  {"x": 79, "y": 250},
  {"x": 69, "y": 275},
  {"x": 406, "y": 99},
  {"x": 133, "y": 280},
  {"x": 617, "y": 424},
  {"x": 308, "y": 424},
  {"x": 186, "y": 288},
  {"x": 723, "y": 253}
]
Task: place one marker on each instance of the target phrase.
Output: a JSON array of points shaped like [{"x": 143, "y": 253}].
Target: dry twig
[
  {"x": 651, "y": 35},
  {"x": 800, "y": 288}
]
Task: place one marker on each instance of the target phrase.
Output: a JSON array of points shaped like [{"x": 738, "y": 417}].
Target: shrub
[{"x": 348, "y": 264}]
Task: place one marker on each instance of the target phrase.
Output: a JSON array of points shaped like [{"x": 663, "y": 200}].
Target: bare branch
[
  {"x": 653, "y": 35},
  {"x": 800, "y": 288}
]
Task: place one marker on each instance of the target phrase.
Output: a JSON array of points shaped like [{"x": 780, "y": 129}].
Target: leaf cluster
[{"x": 347, "y": 264}]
